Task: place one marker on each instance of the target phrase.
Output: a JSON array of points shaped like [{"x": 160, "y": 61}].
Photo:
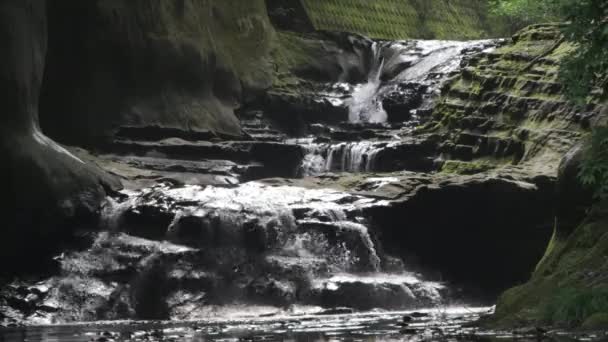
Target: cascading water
[
  {"x": 364, "y": 105},
  {"x": 341, "y": 157},
  {"x": 253, "y": 244},
  {"x": 420, "y": 67},
  {"x": 424, "y": 62}
]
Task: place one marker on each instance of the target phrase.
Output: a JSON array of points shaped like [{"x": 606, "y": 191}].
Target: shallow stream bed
[{"x": 298, "y": 324}]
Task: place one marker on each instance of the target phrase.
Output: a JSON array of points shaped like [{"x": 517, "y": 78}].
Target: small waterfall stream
[
  {"x": 426, "y": 62},
  {"x": 340, "y": 157},
  {"x": 365, "y": 105},
  {"x": 411, "y": 71}
]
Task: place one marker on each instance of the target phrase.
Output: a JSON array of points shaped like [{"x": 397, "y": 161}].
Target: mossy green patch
[
  {"x": 402, "y": 19},
  {"x": 465, "y": 168}
]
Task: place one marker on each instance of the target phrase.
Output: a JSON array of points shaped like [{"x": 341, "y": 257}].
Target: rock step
[
  {"x": 278, "y": 159},
  {"x": 169, "y": 167},
  {"x": 152, "y": 133},
  {"x": 388, "y": 291},
  {"x": 467, "y": 146}
]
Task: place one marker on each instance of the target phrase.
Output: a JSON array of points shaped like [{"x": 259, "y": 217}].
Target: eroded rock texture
[
  {"x": 46, "y": 185},
  {"x": 150, "y": 65}
]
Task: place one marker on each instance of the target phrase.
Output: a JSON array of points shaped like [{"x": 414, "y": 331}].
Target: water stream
[{"x": 424, "y": 62}]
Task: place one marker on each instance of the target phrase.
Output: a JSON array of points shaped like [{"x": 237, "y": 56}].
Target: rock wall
[
  {"x": 45, "y": 186},
  {"x": 152, "y": 64},
  {"x": 401, "y": 19},
  {"x": 507, "y": 111},
  {"x": 508, "y": 107},
  {"x": 569, "y": 287}
]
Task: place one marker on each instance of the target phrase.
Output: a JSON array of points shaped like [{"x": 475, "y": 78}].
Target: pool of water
[{"x": 440, "y": 324}]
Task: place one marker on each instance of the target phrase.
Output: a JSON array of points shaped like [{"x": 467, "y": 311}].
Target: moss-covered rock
[
  {"x": 401, "y": 19},
  {"x": 465, "y": 168},
  {"x": 508, "y": 106}
]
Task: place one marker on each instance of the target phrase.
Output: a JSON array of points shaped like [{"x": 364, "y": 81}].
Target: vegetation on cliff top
[{"x": 402, "y": 19}]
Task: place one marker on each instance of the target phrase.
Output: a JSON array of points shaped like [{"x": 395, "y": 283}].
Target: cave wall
[
  {"x": 45, "y": 186},
  {"x": 183, "y": 64},
  {"x": 403, "y": 19}
]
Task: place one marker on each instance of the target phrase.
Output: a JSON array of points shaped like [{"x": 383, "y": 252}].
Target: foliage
[
  {"x": 585, "y": 69},
  {"x": 525, "y": 12},
  {"x": 404, "y": 19},
  {"x": 584, "y": 72},
  {"x": 594, "y": 167},
  {"x": 588, "y": 66},
  {"x": 571, "y": 307}
]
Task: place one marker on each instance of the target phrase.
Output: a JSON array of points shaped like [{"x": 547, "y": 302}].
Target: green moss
[
  {"x": 465, "y": 168},
  {"x": 401, "y": 19}
]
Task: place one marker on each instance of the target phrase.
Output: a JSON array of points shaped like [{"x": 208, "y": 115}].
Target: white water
[
  {"x": 427, "y": 61},
  {"x": 343, "y": 157},
  {"x": 316, "y": 233},
  {"x": 365, "y": 105}
]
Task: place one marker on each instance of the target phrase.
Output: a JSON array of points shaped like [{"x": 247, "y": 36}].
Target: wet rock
[
  {"x": 240, "y": 152},
  {"x": 419, "y": 314},
  {"x": 50, "y": 188},
  {"x": 366, "y": 296},
  {"x": 399, "y": 103},
  {"x": 412, "y": 154},
  {"x": 270, "y": 291},
  {"x": 408, "y": 331},
  {"x": 337, "y": 311}
]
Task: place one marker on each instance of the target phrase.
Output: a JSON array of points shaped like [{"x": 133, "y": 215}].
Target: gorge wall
[
  {"x": 137, "y": 65},
  {"x": 48, "y": 188}
]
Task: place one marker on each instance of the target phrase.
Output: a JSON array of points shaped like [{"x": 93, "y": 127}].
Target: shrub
[{"x": 594, "y": 167}]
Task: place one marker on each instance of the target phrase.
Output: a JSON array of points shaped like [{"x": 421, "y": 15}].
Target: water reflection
[{"x": 447, "y": 324}]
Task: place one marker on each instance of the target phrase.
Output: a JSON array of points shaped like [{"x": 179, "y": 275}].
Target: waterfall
[
  {"x": 427, "y": 62},
  {"x": 364, "y": 105},
  {"x": 287, "y": 237},
  {"x": 342, "y": 157},
  {"x": 352, "y": 157}
]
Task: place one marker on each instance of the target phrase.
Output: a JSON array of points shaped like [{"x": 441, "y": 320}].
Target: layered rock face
[
  {"x": 140, "y": 67},
  {"x": 47, "y": 186},
  {"x": 508, "y": 106}
]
